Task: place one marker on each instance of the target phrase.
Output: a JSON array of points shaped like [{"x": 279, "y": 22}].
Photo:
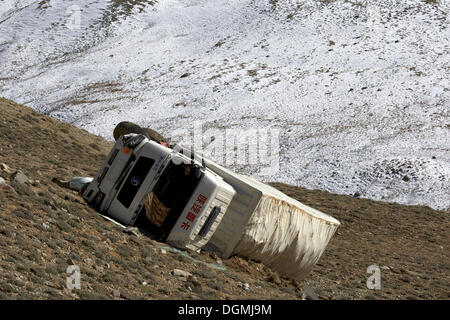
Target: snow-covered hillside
[{"x": 358, "y": 89}]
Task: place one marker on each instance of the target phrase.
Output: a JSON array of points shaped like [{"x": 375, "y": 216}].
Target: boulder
[
  {"x": 20, "y": 178},
  {"x": 4, "y": 167},
  {"x": 6, "y": 187},
  {"x": 181, "y": 273}
]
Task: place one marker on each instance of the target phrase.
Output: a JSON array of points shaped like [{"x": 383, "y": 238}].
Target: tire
[
  {"x": 127, "y": 127},
  {"x": 155, "y": 136}
]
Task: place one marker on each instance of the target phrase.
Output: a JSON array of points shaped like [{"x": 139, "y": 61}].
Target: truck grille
[{"x": 135, "y": 180}]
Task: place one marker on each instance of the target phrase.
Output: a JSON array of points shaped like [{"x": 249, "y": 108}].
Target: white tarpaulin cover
[
  {"x": 266, "y": 225},
  {"x": 285, "y": 234}
]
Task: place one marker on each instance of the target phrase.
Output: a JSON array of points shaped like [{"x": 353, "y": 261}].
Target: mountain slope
[{"x": 44, "y": 228}]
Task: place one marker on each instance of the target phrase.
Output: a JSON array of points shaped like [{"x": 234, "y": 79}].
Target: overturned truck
[{"x": 192, "y": 202}]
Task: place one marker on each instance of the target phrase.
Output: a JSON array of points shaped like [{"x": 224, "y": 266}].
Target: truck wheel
[
  {"x": 127, "y": 127},
  {"x": 154, "y": 135}
]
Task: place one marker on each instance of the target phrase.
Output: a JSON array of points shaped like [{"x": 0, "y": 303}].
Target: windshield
[{"x": 163, "y": 206}]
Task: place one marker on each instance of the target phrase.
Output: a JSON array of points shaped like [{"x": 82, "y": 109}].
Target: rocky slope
[{"x": 44, "y": 228}]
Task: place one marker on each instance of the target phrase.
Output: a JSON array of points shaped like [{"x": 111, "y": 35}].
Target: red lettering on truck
[
  {"x": 185, "y": 226},
  {"x": 190, "y": 216},
  {"x": 201, "y": 199},
  {"x": 195, "y": 209}
]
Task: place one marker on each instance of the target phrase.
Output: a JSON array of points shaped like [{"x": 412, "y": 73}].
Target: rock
[
  {"x": 181, "y": 273},
  {"x": 275, "y": 278},
  {"x": 5, "y": 168},
  {"x": 244, "y": 286},
  {"x": 309, "y": 293},
  {"x": 20, "y": 178},
  {"x": 6, "y": 187},
  {"x": 116, "y": 293},
  {"x": 89, "y": 262}
]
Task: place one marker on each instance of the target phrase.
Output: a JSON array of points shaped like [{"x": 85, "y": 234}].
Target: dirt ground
[{"x": 45, "y": 228}]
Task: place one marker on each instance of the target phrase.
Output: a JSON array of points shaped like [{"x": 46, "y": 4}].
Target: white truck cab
[{"x": 145, "y": 184}]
